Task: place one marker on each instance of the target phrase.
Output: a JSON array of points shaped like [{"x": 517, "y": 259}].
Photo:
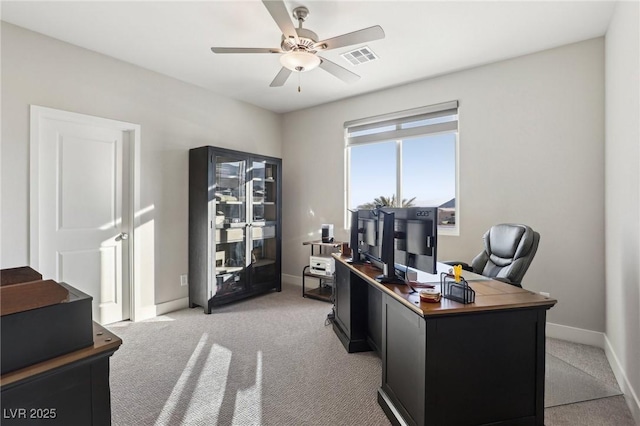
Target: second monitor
[{"x": 392, "y": 235}]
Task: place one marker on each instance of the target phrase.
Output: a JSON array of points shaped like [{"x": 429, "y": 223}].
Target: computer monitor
[
  {"x": 416, "y": 233},
  {"x": 386, "y": 220},
  {"x": 355, "y": 238},
  {"x": 363, "y": 240}
]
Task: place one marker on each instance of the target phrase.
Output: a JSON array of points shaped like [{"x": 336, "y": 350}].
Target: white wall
[
  {"x": 622, "y": 167},
  {"x": 174, "y": 117},
  {"x": 531, "y": 151}
]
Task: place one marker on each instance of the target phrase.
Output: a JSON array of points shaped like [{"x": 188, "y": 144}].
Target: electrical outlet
[
  {"x": 545, "y": 294},
  {"x": 184, "y": 281}
]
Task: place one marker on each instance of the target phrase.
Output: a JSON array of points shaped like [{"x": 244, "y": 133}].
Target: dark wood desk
[{"x": 447, "y": 363}]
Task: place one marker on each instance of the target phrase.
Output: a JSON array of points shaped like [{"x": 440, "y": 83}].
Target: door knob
[{"x": 122, "y": 236}]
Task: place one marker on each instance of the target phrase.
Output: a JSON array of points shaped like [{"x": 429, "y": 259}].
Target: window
[{"x": 405, "y": 159}]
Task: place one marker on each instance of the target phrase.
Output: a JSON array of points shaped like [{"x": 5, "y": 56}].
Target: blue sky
[{"x": 428, "y": 170}]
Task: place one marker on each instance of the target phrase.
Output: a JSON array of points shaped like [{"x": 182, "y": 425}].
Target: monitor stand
[{"x": 389, "y": 280}]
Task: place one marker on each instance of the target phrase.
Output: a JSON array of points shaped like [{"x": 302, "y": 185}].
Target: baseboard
[
  {"x": 575, "y": 335},
  {"x": 175, "y": 305},
  {"x": 629, "y": 393},
  {"x": 292, "y": 279},
  {"x": 172, "y": 305},
  {"x": 144, "y": 312}
]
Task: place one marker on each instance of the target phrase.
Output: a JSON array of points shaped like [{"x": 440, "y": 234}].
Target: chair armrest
[{"x": 465, "y": 266}]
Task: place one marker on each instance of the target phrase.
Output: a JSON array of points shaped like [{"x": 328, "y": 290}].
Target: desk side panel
[
  {"x": 403, "y": 359},
  {"x": 374, "y": 319},
  {"x": 485, "y": 368},
  {"x": 343, "y": 298},
  {"x": 350, "y": 323}
]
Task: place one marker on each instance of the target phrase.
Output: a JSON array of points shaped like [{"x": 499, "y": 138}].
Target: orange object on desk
[{"x": 430, "y": 295}]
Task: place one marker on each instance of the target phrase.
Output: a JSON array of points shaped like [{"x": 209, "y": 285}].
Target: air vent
[{"x": 360, "y": 56}]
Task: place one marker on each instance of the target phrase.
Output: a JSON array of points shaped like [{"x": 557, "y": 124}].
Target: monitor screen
[
  {"x": 364, "y": 235},
  {"x": 416, "y": 235},
  {"x": 386, "y": 221},
  {"x": 371, "y": 231}
]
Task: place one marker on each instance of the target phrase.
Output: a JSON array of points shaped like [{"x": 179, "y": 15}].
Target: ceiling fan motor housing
[{"x": 306, "y": 40}]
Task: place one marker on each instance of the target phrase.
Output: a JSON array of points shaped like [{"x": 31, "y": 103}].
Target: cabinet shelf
[
  {"x": 225, "y": 270},
  {"x": 236, "y": 203},
  {"x": 320, "y": 277},
  {"x": 320, "y": 293},
  {"x": 263, "y": 262},
  {"x": 323, "y": 291}
]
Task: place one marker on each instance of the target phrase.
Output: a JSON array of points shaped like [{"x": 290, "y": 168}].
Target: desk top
[
  {"x": 490, "y": 294},
  {"x": 103, "y": 341}
]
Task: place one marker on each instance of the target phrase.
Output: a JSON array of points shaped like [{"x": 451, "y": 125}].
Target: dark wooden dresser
[{"x": 55, "y": 359}]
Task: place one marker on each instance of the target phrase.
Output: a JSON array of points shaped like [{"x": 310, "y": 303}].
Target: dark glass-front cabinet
[{"x": 234, "y": 225}]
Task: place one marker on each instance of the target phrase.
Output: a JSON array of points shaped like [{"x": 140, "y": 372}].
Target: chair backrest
[{"x": 508, "y": 251}]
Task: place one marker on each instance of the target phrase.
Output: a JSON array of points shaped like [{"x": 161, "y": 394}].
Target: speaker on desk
[{"x": 327, "y": 233}]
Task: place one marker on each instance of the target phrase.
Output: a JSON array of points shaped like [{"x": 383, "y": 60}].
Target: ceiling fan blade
[
  {"x": 244, "y": 50},
  {"x": 361, "y": 36},
  {"x": 280, "y": 14},
  {"x": 338, "y": 71},
  {"x": 281, "y": 78}
]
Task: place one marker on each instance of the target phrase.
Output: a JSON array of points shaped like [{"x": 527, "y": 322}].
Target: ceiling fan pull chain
[{"x": 299, "y": 82}]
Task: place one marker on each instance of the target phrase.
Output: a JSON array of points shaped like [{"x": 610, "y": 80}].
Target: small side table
[{"x": 324, "y": 290}]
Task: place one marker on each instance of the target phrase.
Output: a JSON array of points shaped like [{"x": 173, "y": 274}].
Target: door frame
[{"x": 132, "y": 135}]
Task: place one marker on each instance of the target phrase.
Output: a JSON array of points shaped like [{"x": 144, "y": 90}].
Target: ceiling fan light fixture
[{"x": 299, "y": 61}]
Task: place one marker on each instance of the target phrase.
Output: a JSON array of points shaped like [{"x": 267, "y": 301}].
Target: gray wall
[
  {"x": 174, "y": 117},
  {"x": 531, "y": 151},
  {"x": 622, "y": 153}
]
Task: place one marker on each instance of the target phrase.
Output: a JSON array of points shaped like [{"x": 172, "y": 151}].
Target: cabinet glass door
[
  {"x": 230, "y": 230},
  {"x": 264, "y": 222}
]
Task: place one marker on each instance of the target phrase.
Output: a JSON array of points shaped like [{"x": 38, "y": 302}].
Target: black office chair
[{"x": 508, "y": 251}]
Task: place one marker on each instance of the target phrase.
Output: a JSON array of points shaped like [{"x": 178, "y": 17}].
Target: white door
[{"x": 82, "y": 213}]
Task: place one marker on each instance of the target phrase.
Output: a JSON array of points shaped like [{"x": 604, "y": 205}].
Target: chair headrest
[{"x": 507, "y": 242}]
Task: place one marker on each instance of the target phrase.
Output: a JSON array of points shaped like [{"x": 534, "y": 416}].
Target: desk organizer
[{"x": 458, "y": 291}]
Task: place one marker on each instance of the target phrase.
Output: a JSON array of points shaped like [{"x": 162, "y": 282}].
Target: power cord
[{"x": 330, "y": 317}]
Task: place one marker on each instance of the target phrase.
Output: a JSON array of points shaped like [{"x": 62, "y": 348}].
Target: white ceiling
[{"x": 423, "y": 39}]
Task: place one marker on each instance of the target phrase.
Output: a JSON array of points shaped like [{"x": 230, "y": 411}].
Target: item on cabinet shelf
[
  {"x": 226, "y": 195},
  {"x": 322, "y": 265},
  {"x": 261, "y": 232},
  {"x": 430, "y": 295},
  {"x": 259, "y": 194},
  {"x": 327, "y": 233},
  {"x": 219, "y": 259},
  {"x": 235, "y": 223},
  {"x": 219, "y": 218},
  {"x": 458, "y": 291},
  {"x": 228, "y": 283},
  {"x": 229, "y": 235}
]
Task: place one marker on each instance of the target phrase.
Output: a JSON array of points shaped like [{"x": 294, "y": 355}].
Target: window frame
[{"x": 400, "y": 118}]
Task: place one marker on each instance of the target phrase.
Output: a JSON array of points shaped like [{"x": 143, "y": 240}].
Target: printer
[{"x": 322, "y": 265}]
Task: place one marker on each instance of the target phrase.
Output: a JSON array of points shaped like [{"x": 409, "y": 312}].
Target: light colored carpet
[{"x": 230, "y": 368}]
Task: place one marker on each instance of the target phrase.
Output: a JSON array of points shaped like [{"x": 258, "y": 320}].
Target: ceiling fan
[{"x": 299, "y": 46}]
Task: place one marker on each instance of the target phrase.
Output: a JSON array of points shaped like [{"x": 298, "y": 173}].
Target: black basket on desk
[{"x": 458, "y": 291}]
